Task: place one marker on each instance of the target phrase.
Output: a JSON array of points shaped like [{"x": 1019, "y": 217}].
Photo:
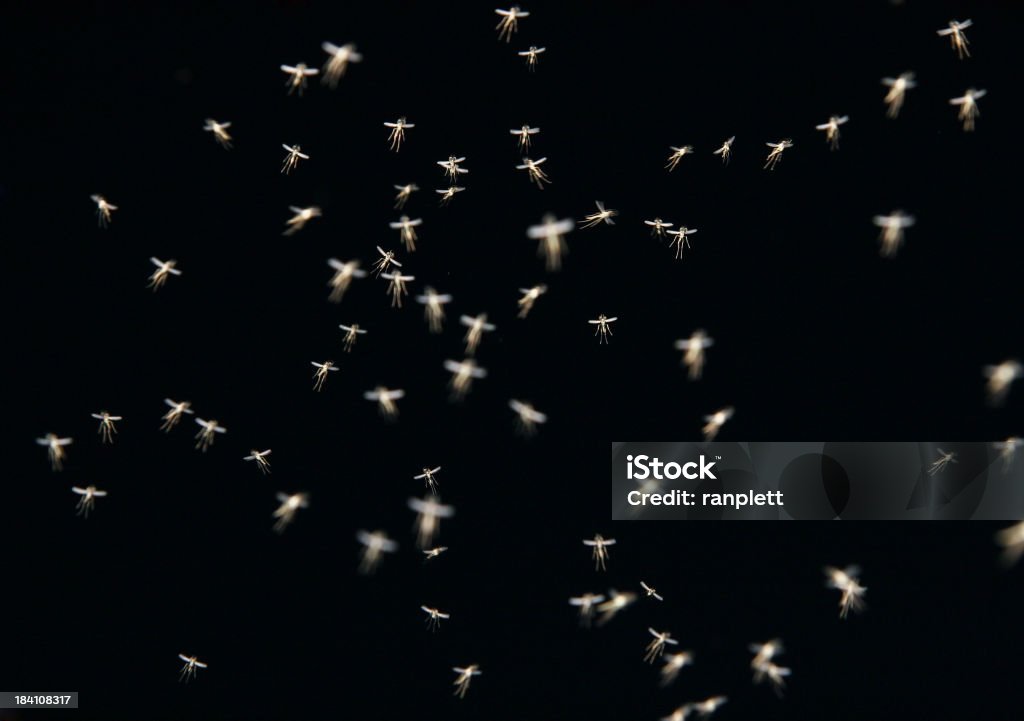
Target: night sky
[{"x": 817, "y": 337}]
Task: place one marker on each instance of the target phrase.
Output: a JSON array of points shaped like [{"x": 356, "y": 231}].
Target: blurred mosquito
[
  {"x": 205, "y": 436},
  {"x": 706, "y": 707},
  {"x": 164, "y": 269},
  {"x": 846, "y": 580},
  {"x": 693, "y": 357},
  {"x": 87, "y": 502},
  {"x": 106, "y": 430},
  {"x": 677, "y": 155},
  {"x": 374, "y": 544},
  {"x": 776, "y": 153},
  {"x": 600, "y": 545},
  {"x": 509, "y": 22},
  {"x": 398, "y": 129},
  {"x": 434, "y": 304},
  {"x": 1012, "y": 541},
  {"x": 452, "y": 168},
  {"x": 404, "y": 193},
  {"x": 898, "y": 88},
  {"x": 999, "y": 379},
  {"x": 586, "y": 604},
  {"x": 320, "y": 374},
  {"x": 385, "y": 399},
  {"x": 524, "y": 134},
  {"x": 892, "y": 226},
  {"x": 428, "y": 478},
  {"x": 682, "y": 239},
  {"x": 536, "y": 173},
  {"x": 291, "y": 161},
  {"x": 429, "y": 511},
  {"x": 527, "y": 417},
  {"x": 298, "y": 75},
  {"x": 831, "y": 129},
  {"x": 675, "y": 663},
  {"x": 352, "y": 332},
  {"x": 650, "y": 592},
  {"x": 220, "y": 132},
  {"x": 477, "y": 327},
  {"x": 465, "y": 675},
  {"x": 337, "y": 63},
  {"x": 103, "y": 209},
  {"x": 448, "y": 193},
  {"x": 765, "y": 668},
  {"x": 532, "y": 56},
  {"x": 301, "y": 216},
  {"x": 434, "y": 552},
  {"x": 726, "y": 150},
  {"x": 551, "y": 234},
  {"x": 261, "y": 459},
  {"x": 957, "y": 38},
  {"x": 601, "y": 216},
  {"x": 968, "y": 103},
  {"x": 944, "y": 460},
  {"x": 659, "y": 227},
  {"x": 290, "y": 504},
  {"x": 657, "y": 647},
  {"x": 1007, "y": 449},
  {"x": 530, "y": 296},
  {"x": 616, "y": 602},
  {"x": 434, "y": 617},
  {"x": 714, "y": 422},
  {"x": 386, "y": 260},
  {"x": 396, "y": 287},
  {"x": 344, "y": 272},
  {"x": 172, "y": 417},
  {"x": 462, "y": 376},
  {"x": 188, "y": 671},
  {"x": 604, "y": 329}
]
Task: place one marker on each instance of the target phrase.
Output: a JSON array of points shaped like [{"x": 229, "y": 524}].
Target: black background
[{"x": 817, "y": 337}]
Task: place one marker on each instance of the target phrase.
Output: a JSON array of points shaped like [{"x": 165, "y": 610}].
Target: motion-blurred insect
[
  {"x": 291, "y": 161},
  {"x": 337, "y": 63},
  {"x": 659, "y": 227},
  {"x": 172, "y": 417},
  {"x": 600, "y": 545},
  {"x": 650, "y": 592},
  {"x": 448, "y": 193},
  {"x": 428, "y": 478},
  {"x": 290, "y": 504},
  {"x": 681, "y": 239},
  {"x": 463, "y": 374},
  {"x": 657, "y": 647},
  {"x": 532, "y": 56},
  {"x": 398, "y": 129},
  {"x": 509, "y": 22},
  {"x": 352, "y": 332},
  {"x": 106, "y": 430},
  {"x": 725, "y": 150},
  {"x": 601, "y": 216},
  {"x": 54, "y": 449},
  {"x": 220, "y": 132},
  {"x": 205, "y": 436},
  {"x": 892, "y": 226},
  {"x": 87, "y": 502},
  {"x": 551, "y": 234},
  {"x": 1007, "y": 449},
  {"x": 774, "y": 673},
  {"x": 673, "y": 665},
  {"x": 374, "y": 544},
  {"x": 957, "y": 38},
  {"x": 434, "y": 617},
  {"x": 429, "y": 512},
  {"x": 763, "y": 666},
  {"x": 616, "y": 602},
  {"x": 477, "y": 327},
  {"x": 586, "y": 604},
  {"x": 604, "y": 328},
  {"x": 103, "y": 209},
  {"x": 527, "y": 417},
  {"x": 385, "y": 261},
  {"x": 344, "y": 272},
  {"x": 465, "y": 675},
  {"x": 452, "y": 168},
  {"x": 385, "y": 399},
  {"x": 524, "y": 134},
  {"x": 298, "y": 75},
  {"x": 530, "y": 296},
  {"x": 261, "y": 459},
  {"x": 434, "y": 552},
  {"x": 677, "y": 155},
  {"x": 776, "y": 153},
  {"x": 714, "y": 422},
  {"x": 320, "y": 374},
  {"x": 706, "y": 707},
  {"x": 301, "y": 216},
  {"x": 164, "y": 269},
  {"x": 999, "y": 379},
  {"x": 1012, "y": 541},
  {"x": 434, "y": 304},
  {"x": 396, "y": 287},
  {"x": 537, "y": 175},
  {"x": 693, "y": 356},
  {"x": 898, "y": 88},
  {"x": 944, "y": 460},
  {"x": 831, "y": 129},
  {"x": 968, "y": 103},
  {"x": 404, "y": 193},
  {"x": 188, "y": 671},
  {"x": 846, "y": 580}
]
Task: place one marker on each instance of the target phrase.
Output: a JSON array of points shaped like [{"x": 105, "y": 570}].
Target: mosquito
[
  {"x": 524, "y": 134},
  {"x": 682, "y": 239},
  {"x": 397, "y": 287},
  {"x": 188, "y": 671},
  {"x": 462, "y": 376},
  {"x": 536, "y": 173},
  {"x": 677, "y": 155},
  {"x": 451, "y": 167},
  {"x": 774, "y": 673},
  {"x": 428, "y": 521},
  {"x": 291, "y": 161},
  {"x": 448, "y": 193},
  {"x": 944, "y": 460},
  {"x": 659, "y": 227},
  {"x": 651, "y": 592},
  {"x": 290, "y": 504},
  {"x": 205, "y": 436},
  {"x": 164, "y": 269},
  {"x": 776, "y": 153},
  {"x": 298, "y": 75},
  {"x": 87, "y": 502},
  {"x": 657, "y": 647},
  {"x": 673, "y": 665},
  {"x": 220, "y": 132},
  {"x": 477, "y": 327},
  {"x": 764, "y": 653},
  {"x": 374, "y": 544},
  {"x": 464, "y": 676},
  {"x": 428, "y": 478},
  {"x": 708, "y": 706},
  {"x": 586, "y": 603},
  {"x": 898, "y": 88},
  {"x": 261, "y": 459},
  {"x": 616, "y": 602},
  {"x": 301, "y": 216},
  {"x": 434, "y": 552},
  {"x": 601, "y": 216},
  {"x": 337, "y": 63},
  {"x": 434, "y": 617},
  {"x": 433, "y": 303},
  {"x": 386, "y": 260},
  {"x": 107, "y": 430},
  {"x": 404, "y": 193},
  {"x": 999, "y": 379},
  {"x": 957, "y": 38},
  {"x": 532, "y": 56},
  {"x": 892, "y": 226},
  {"x": 509, "y": 23},
  {"x": 604, "y": 328},
  {"x": 103, "y": 209},
  {"x": 714, "y": 422},
  {"x": 726, "y": 150},
  {"x": 831, "y": 129},
  {"x": 385, "y": 399},
  {"x": 693, "y": 357},
  {"x": 320, "y": 374},
  {"x": 1007, "y": 449},
  {"x": 527, "y": 417},
  {"x": 344, "y": 272},
  {"x": 551, "y": 234},
  {"x": 968, "y": 103},
  {"x": 172, "y": 417},
  {"x": 352, "y": 332},
  {"x": 1012, "y": 541},
  {"x": 600, "y": 545},
  {"x": 530, "y": 296},
  {"x": 398, "y": 129},
  {"x": 846, "y": 580}
]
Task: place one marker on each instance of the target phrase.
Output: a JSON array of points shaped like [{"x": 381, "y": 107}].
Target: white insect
[
  {"x": 616, "y": 602},
  {"x": 205, "y": 436},
  {"x": 957, "y": 38},
  {"x": 708, "y": 706},
  {"x": 659, "y": 227},
  {"x": 448, "y": 193},
  {"x": 477, "y": 327},
  {"x": 188, "y": 671},
  {"x": 650, "y": 592},
  {"x": 677, "y": 155},
  {"x": 674, "y": 664},
  {"x": 261, "y": 459},
  {"x": 682, "y": 239},
  {"x": 657, "y": 647},
  {"x": 527, "y": 417},
  {"x": 892, "y": 226},
  {"x": 693, "y": 355},
  {"x": 320, "y": 374},
  {"x": 1007, "y": 449},
  {"x": 164, "y": 269},
  {"x": 434, "y": 552},
  {"x": 509, "y": 22},
  {"x": 776, "y": 153},
  {"x": 404, "y": 193},
  {"x": 291, "y": 161},
  {"x": 352, "y": 333},
  {"x": 337, "y": 62},
  {"x": 433, "y": 303},
  {"x": 107, "y": 430},
  {"x": 220, "y": 132},
  {"x": 532, "y": 56},
  {"x": 999, "y": 379},
  {"x": 434, "y": 617},
  {"x": 452, "y": 168},
  {"x": 462, "y": 376},
  {"x": 726, "y": 150},
  {"x": 301, "y": 216},
  {"x": 374, "y": 544},
  {"x": 898, "y": 88},
  {"x": 601, "y": 216},
  {"x": 298, "y": 75},
  {"x": 524, "y": 134},
  {"x": 290, "y": 504},
  {"x": 944, "y": 460},
  {"x": 385, "y": 261},
  {"x": 428, "y": 478},
  {"x": 551, "y": 234},
  {"x": 604, "y": 329},
  {"x": 172, "y": 417},
  {"x": 398, "y": 129},
  {"x": 87, "y": 502},
  {"x": 1012, "y": 541},
  {"x": 586, "y": 604},
  {"x": 385, "y": 399},
  {"x": 846, "y": 580},
  {"x": 763, "y": 655},
  {"x": 600, "y": 545},
  {"x": 537, "y": 174},
  {"x": 396, "y": 287},
  {"x": 344, "y": 272},
  {"x": 968, "y": 103},
  {"x": 831, "y": 129},
  {"x": 465, "y": 675},
  {"x": 530, "y": 296},
  {"x": 429, "y": 512},
  {"x": 103, "y": 209},
  {"x": 714, "y": 422}
]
